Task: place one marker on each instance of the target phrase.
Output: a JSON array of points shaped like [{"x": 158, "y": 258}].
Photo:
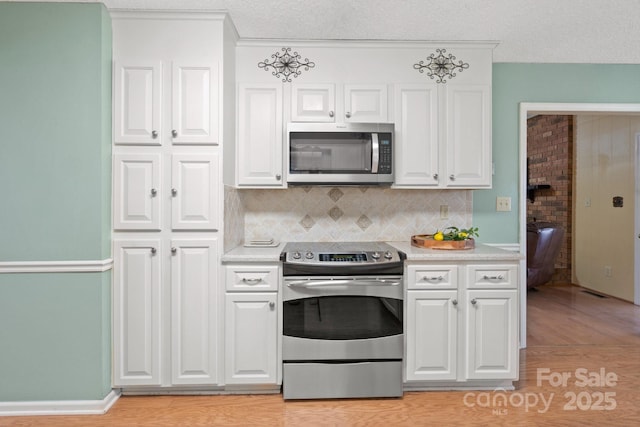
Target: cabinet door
[
  {"x": 365, "y": 103},
  {"x": 194, "y": 274},
  {"x": 416, "y": 135},
  {"x": 251, "y": 338},
  {"x": 195, "y": 190},
  {"x": 313, "y": 103},
  {"x": 431, "y": 335},
  {"x": 136, "y": 312},
  {"x": 492, "y": 329},
  {"x": 194, "y": 104},
  {"x": 260, "y": 135},
  {"x": 468, "y": 136},
  {"x": 136, "y": 192},
  {"x": 137, "y": 104}
]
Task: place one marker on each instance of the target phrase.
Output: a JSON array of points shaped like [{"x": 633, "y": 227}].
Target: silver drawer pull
[
  {"x": 498, "y": 277},
  {"x": 433, "y": 279},
  {"x": 252, "y": 281}
]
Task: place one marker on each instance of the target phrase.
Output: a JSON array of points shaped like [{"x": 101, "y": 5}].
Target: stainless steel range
[{"x": 342, "y": 320}]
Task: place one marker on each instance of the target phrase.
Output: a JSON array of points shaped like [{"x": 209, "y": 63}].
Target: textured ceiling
[{"x": 589, "y": 31}]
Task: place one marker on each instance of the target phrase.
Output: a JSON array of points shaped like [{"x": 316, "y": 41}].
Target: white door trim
[
  {"x": 527, "y": 108},
  {"x": 636, "y": 263}
]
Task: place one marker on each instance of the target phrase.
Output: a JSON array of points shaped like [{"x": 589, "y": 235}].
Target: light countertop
[{"x": 479, "y": 253}]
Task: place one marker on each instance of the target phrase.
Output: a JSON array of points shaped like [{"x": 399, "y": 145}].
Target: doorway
[{"x": 526, "y": 110}]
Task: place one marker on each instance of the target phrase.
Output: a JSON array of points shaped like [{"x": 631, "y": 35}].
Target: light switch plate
[{"x": 503, "y": 204}]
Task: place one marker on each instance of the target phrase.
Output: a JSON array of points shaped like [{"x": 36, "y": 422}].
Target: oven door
[{"x": 333, "y": 318}]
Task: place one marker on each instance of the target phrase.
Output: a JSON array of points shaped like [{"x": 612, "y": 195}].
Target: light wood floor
[{"x": 568, "y": 329}]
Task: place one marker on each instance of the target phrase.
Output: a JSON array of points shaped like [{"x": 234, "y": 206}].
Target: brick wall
[{"x": 550, "y": 154}]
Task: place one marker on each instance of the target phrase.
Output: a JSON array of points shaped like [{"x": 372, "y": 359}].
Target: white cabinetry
[
  {"x": 136, "y": 312},
  {"x": 194, "y": 279},
  {"x": 443, "y": 136},
  {"x": 461, "y": 322},
  {"x": 252, "y": 325},
  {"x": 169, "y": 88},
  {"x": 360, "y": 103},
  {"x": 260, "y": 134},
  {"x": 189, "y": 108}
]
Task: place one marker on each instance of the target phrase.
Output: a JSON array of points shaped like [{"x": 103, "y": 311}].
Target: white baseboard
[
  {"x": 59, "y": 407},
  {"x": 56, "y": 266}
]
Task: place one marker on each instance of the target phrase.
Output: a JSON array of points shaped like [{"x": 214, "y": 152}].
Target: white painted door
[
  {"x": 136, "y": 312},
  {"x": 468, "y": 139},
  {"x": 194, "y": 273},
  {"x": 195, "y": 182},
  {"x": 416, "y": 135},
  {"x": 432, "y": 331},
  {"x": 194, "y": 104},
  {"x": 136, "y": 189},
  {"x": 492, "y": 329},
  {"x": 365, "y": 103},
  {"x": 251, "y": 337},
  {"x": 260, "y": 135},
  {"x": 137, "y": 104},
  {"x": 636, "y": 264},
  {"x": 313, "y": 102}
]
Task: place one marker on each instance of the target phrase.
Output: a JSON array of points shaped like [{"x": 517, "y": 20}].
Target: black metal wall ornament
[
  {"x": 286, "y": 64},
  {"x": 441, "y": 66}
]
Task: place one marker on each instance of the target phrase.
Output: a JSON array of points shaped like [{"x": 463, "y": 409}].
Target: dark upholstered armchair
[{"x": 544, "y": 240}]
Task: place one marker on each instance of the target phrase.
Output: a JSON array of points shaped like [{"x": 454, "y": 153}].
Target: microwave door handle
[{"x": 375, "y": 153}]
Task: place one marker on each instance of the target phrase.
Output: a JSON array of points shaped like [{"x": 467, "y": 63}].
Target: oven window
[{"x": 342, "y": 317}]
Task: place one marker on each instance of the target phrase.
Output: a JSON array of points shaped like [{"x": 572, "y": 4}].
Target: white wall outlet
[
  {"x": 608, "y": 271},
  {"x": 444, "y": 211},
  {"x": 503, "y": 204}
]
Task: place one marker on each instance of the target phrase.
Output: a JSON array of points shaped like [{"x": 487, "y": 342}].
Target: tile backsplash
[{"x": 341, "y": 213}]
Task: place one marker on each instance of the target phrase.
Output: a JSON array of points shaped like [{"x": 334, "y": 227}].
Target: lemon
[{"x": 438, "y": 236}]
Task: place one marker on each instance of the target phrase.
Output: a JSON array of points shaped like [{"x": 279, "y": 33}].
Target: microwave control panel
[{"x": 384, "y": 166}]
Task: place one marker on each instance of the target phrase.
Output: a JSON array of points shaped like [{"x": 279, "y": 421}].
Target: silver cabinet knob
[
  {"x": 272, "y": 305},
  {"x": 154, "y": 134},
  {"x": 153, "y": 251},
  {"x": 331, "y": 113},
  {"x": 174, "y": 251},
  {"x": 348, "y": 114},
  {"x": 454, "y": 302},
  {"x": 452, "y": 177},
  {"x": 174, "y": 192},
  {"x": 473, "y": 301},
  {"x": 154, "y": 192},
  {"x": 278, "y": 177},
  {"x": 174, "y": 133},
  {"x": 435, "y": 176}
]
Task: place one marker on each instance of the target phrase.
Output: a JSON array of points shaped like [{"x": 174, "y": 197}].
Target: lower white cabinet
[
  {"x": 252, "y": 326},
  {"x": 251, "y": 338},
  {"x": 136, "y": 312},
  {"x": 462, "y": 322},
  {"x": 139, "y": 293}
]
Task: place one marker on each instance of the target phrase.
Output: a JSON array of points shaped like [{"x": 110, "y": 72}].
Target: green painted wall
[
  {"x": 55, "y": 165},
  {"x": 516, "y": 83},
  {"x": 55, "y": 115}
]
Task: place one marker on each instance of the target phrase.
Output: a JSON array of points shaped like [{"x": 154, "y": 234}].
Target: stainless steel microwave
[{"x": 340, "y": 153}]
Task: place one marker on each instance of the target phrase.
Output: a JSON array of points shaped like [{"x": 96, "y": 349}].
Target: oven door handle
[{"x": 342, "y": 282}]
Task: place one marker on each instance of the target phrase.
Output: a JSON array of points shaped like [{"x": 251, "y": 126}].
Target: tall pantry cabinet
[{"x": 173, "y": 78}]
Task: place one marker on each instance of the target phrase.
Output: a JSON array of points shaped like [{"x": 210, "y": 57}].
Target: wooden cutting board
[{"x": 427, "y": 241}]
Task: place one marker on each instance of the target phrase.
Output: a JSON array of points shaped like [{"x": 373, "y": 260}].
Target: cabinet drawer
[
  {"x": 252, "y": 278},
  {"x": 432, "y": 277},
  {"x": 492, "y": 276}
]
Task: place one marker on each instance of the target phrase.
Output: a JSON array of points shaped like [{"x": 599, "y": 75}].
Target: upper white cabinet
[
  {"x": 137, "y": 190},
  {"x": 194, "y": 192},
  {"x": 365, "y": 103},
  {"x": 313, "y": 102},
  {"x": 443, "y": 136},
  {"x": 191, "y": 114},
  {"x": 137, "y": 103},
  {"x": 359, "y": 103},
  {"x": 260, "y": 135}
]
